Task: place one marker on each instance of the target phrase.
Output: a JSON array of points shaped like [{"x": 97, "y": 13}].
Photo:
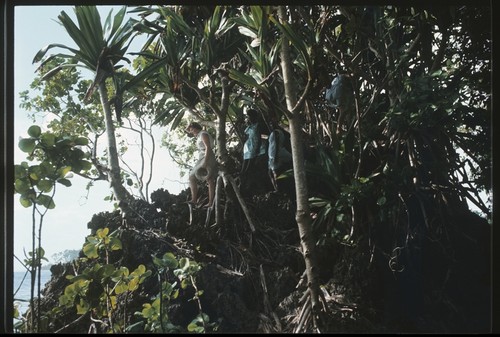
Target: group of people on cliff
[{"x": 265, "y": 149}]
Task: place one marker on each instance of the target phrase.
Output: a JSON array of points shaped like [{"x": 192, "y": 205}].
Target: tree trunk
[
  {"x": 221, "y": 131},
  {"x": 114, "y": 175},
  {"x": 302, "y": 216}
]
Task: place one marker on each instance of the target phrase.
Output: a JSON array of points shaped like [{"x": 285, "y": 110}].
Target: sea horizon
[{"x": 22, "y": 293}]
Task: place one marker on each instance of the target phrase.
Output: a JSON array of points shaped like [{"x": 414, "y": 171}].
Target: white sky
[{"x": 65, "y": 226}]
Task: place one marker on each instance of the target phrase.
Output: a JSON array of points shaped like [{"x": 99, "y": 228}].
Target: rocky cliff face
[{"x": 251, "y": 279}]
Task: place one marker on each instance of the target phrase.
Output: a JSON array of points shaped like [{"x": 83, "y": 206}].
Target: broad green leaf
[
  {"x": 140, "y": 269},
  {"x": 34, "y": 176},
  {"x": 90, "y": 251},
  {"x": 45, "y": 185},
  {"x": 115, "y": 244},
  {"x": 63, "y": 171},
  {"x": 81, "y": 141},
  {"x": 102, "y": 232},
  {"x": 121, "y": 287},
  {"x": 46, "y": 201},
  {"x": 82, "y": 307},
  {"x": 48, "y": 139},
  {"x": 106, "y": 271},
  {"x": 85, "y": 165},
  {"x": 25, "y": 202},
  {"x": 19, "y": 171},
  {"x": 34, "y": 131},
  {"x": 22, "y": 186},
  {"x": 27, "y": 145},
  {"x": 148, "y": 311},
  {"x": 64, "y": 182},
  {"x": 170, "y": 260},
  {"x": 133, "y": 284}
]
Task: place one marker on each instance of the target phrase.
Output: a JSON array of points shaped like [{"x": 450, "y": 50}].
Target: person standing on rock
[
  {"x": 205, "y": 168},
  {"x": 254, "y": 163},
  {"x": 280, "y": 159}
]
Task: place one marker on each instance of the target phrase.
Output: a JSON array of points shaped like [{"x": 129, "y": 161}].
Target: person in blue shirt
[
  {"x": 280, "y": 159},
  {"x": 254, "y": 153}
]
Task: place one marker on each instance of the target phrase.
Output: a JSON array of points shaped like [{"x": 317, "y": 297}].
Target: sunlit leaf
[
  {"x": 115, "y": 244},
  {"x": 133, "y": 284},
  {"x": 64, "y": 170},
  {"x": 90, "y": 251},
  {"x": 25, "y": 202},
  {"x": 121, "y": 287}
]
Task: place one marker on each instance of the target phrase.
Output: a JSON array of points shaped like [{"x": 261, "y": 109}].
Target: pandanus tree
[
  {"x": 281, "y": 64},
  {"x": 100, "y": 49},
  {"x": 190, "y": 46},
  {"x": 192, "y": 49}
]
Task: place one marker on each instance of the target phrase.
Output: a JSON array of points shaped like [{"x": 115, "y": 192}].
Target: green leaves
[
  {"x": 167, "y": 262},
  {"x": 34, "y": 131},
  {"x": 98, "y": 286},
  {"x": 101, "y": 241},
  {"x": 197, "y": 325},
  {"x": 34, "y": 258},
  {"x": 126, "y": 281},
  {"x": 27, "y": 145},
  {"x": 298, "y": 42},
  {"x": 56, "y": 156}
]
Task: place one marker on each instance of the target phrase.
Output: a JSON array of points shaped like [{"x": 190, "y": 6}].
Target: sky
[{"x": 65, "y": 226}]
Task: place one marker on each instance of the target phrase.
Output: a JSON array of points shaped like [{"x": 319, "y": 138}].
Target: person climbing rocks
[{"x": 205, "y": 168}]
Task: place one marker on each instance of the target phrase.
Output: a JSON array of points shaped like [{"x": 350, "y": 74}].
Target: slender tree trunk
[
  {"x": 302, "y": 216},
  {"x": 114, "y": 175},
  {"x": 221, "y": 131}
]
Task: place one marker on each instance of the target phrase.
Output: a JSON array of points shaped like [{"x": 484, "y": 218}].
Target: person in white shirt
[{"x": 205, "y": 168}]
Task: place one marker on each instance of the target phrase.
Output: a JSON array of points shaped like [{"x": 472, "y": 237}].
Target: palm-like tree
[
  {"x": 192, "y": 49},
  {"x": 100, "y": 49},
  {"x": 263, "y": 52}
]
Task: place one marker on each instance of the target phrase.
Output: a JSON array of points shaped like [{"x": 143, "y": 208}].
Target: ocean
[{"x": 23, "y": 288}]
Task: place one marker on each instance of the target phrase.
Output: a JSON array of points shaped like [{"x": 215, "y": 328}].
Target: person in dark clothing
[{"x": 280, "y": 159}]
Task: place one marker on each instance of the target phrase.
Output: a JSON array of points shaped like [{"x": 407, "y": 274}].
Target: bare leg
[
  {"x": 211, "y": 191},
  {"x": 193, "y": 184},
  {"x": 272, "y": 176}
]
